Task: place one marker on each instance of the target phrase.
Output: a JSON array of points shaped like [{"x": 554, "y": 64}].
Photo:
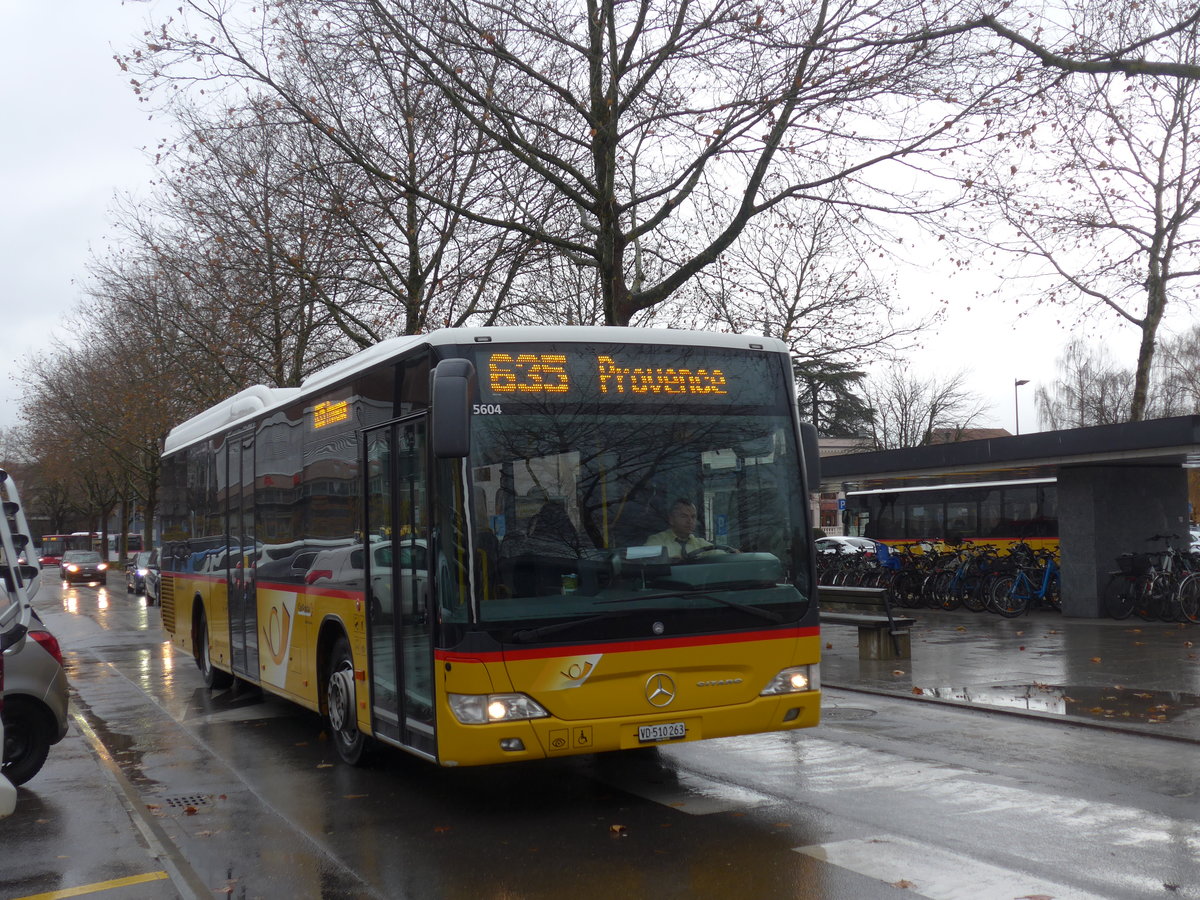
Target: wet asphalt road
[{"x": 162, "y": 789}]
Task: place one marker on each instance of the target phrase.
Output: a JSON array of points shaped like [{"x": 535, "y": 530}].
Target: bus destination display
[{"x": 657, "y": 373}]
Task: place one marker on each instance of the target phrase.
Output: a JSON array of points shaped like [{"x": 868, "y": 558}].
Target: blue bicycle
[{"x": 1012, "y": 595}]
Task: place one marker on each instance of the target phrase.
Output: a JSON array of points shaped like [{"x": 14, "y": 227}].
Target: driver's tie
[{"x": 683, "y": 542}]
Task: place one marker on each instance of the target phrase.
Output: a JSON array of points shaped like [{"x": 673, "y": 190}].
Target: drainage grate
[{"x": 192, "y": 800}]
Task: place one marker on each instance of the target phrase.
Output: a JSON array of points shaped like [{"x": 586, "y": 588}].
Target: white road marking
[
  {"x": 925, "y": 871},
  {"x": 696, "y": 795}
]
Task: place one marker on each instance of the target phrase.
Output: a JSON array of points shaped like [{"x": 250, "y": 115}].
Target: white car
[
  {"x": 843, "y": 544},
  {"x": 8, "y": 793}
]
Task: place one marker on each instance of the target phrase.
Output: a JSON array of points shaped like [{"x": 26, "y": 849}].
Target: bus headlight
[
  {"x": 480, "y": 709},
  {"x": 794, "y": 680}
]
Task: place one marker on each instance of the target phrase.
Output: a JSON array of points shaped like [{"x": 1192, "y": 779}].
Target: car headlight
[
  {"x": 480, "y": 709},
  {"x": 72, "y": 568},
  {"x": 102, "y": 566},
  {"x": 141, "y": 573},
  {"x": 794, "y": 680}
]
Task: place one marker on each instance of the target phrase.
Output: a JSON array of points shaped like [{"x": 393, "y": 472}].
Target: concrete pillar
[{"x": 1104, "y": 511}]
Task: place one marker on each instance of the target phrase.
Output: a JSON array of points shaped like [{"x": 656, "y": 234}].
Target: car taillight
[
  {"x": 49, "y": 643},
  {"x": 314, "y": 574}
]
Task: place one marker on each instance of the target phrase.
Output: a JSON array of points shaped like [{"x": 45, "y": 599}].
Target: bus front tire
[
  {"x": 351, "y": 744},
  {"x": 214, "y": 678}
]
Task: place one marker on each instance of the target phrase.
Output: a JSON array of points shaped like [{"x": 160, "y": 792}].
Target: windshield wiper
[
  {"x": 733, "y": 604},
  {"x": 532, "y": 634}
]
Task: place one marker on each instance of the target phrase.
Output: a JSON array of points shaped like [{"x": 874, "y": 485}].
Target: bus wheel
[
  {"x": 350, "y": 743},
  {"x": 213, "y": 677}
]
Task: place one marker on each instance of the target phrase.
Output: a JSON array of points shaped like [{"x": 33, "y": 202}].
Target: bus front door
[
  {"x": 401, "y": 624},
  {"x": 240, "y": 557}
]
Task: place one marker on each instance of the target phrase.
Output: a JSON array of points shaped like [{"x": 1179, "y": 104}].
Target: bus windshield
[{"x": 694, "y": 517}]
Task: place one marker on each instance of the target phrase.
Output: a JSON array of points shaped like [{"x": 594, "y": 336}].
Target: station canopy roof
[{"x": 1158, "y": 442}]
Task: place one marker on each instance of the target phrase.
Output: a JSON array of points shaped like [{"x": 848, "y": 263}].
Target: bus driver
[{"x": 679, "y": 539}]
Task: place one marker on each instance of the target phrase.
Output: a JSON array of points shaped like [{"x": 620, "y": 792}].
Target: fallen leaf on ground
[
  {"x": 897, "y": 671},
  {"x": 1095, "y": 659},
  {"x": 618, "y": 830},
  {"x": 903, "y": 884},
  {"x": 918, "y": 691}
]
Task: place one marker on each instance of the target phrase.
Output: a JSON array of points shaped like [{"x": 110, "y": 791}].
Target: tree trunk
[{"x": 1156, "y": 302}]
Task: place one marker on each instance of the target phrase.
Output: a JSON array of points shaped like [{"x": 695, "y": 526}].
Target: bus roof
[{"x": 253, "y": 401}]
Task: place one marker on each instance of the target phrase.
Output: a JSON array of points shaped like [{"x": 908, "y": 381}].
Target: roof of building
[{"x": 1165, "y": 442}]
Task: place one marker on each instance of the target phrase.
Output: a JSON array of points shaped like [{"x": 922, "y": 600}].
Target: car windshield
[{"x": 81, "y": 556}]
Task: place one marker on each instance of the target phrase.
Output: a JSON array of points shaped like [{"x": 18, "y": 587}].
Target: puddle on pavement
[{"x": 1089, "y": 702}]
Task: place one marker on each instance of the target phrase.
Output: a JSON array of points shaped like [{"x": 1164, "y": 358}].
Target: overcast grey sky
[{"x": 76, "y": 136}]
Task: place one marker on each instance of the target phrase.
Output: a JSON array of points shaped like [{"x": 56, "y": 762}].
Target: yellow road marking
[{"x": 98, "y": 886}]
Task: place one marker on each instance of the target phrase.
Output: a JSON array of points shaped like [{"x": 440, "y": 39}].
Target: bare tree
[
  {"x": 1177, "y": 382},
  {"x": 1089, "y": 390},
  {"x": 909, "y": 410},
  {"x": 1107, "y": 198},
  {"x": 623, "y": 129},
  {"x": 1099, "y": 39},
  {"x": 398, "y": 166}
]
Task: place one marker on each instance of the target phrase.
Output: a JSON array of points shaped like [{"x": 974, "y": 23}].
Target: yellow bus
[{"x": 467, "y": 544}]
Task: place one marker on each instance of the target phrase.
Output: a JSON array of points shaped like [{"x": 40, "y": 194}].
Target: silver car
[{"x": 35, "y": 703}]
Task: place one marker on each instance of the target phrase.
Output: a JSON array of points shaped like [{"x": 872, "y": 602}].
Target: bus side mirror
[
  {"x": 452, "y": 384},
  {"x": 812, "y": 455}
]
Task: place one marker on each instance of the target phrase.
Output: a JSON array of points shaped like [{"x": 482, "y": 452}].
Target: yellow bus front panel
[{"x": 632, "y": 694}]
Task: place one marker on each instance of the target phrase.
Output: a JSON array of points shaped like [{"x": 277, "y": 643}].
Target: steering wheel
[{"x": 699, "y": 551}]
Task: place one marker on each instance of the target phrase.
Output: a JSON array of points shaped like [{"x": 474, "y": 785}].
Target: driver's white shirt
[{"x": 677, "y": 546}]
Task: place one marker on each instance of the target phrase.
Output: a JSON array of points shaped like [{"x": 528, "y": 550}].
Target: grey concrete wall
[{"x": 1104, "y": 511}]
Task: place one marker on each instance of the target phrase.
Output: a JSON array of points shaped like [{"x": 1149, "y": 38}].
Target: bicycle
[
  {"x": 1165, "y": 601},
  {"x": 1015, "y": 594},
  {"x": 1128, "y": 587}
]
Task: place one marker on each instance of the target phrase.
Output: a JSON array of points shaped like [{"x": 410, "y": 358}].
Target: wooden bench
[{"x": 881, "y": 633}]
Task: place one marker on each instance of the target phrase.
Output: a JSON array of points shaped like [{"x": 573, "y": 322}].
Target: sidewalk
[{"x": 1131, "y": 675}]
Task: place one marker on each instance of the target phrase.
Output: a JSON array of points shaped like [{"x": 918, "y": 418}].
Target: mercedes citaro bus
[{"x": 444, "y": 543}]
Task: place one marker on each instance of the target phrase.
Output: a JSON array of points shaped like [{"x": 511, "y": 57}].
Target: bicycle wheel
[
  {"x": 934, "y": 589},
  {"x": 1009, "y": 596},
  {"x": 1189, "y": 598},
  {"x": 955, "y": 590},
  {"x": 1144, "y": 602},
  {"x": 975, "y": 598},
  {"x": 1166, "y": 597},
  {"x": 1118, "y": 597},
  {"x": 906, "y": 588}
]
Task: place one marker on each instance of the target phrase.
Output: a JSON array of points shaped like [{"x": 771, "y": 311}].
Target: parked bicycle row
[
  {"x": 1162, "y": 584},
  {"x": 978, "y": 577}
]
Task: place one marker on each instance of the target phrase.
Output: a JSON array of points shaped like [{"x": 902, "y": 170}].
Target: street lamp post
[{"x": 1016, "y": 401}]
